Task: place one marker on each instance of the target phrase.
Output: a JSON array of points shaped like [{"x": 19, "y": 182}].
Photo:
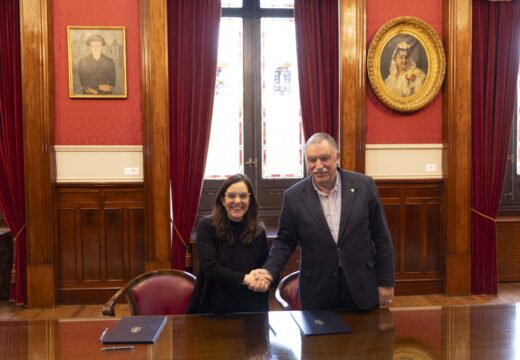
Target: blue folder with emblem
[
  {"x": 135, "y": 330},
  {"x": 319, "y": 322}
]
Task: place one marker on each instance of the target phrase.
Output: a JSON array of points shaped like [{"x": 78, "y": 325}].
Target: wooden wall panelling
[
  {"x": 391, "y": 199},
  {"x": 457, "y": 144},
  {"x": 92, "y": 245},
  {"x": 40, "y": 170},
  {"x": 124, "y": 232},
  {"x": 154, "y": 84},
  {"x": 100, "y": 240},
  {"x": 413, "y": 211},
  {"x": 508, "y": 248},
  {"x": 6, "y": 261},
  {"x": 352, "y": 84}
]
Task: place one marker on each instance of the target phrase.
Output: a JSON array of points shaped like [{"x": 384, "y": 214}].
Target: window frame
[{"x": 269, "y": 191}]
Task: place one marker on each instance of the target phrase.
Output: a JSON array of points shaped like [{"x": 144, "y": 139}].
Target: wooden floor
[{"x": 508, "y": 293}]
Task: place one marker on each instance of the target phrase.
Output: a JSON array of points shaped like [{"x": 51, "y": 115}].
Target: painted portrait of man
[{"x": 96, "y": 62}]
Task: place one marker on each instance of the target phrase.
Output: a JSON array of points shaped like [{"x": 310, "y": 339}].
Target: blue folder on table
[
  {"x": 319, "y": 322},
  {"x": 135, "y": 330}
]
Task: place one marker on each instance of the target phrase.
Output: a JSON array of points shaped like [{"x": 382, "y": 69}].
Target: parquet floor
[{"x": 507, "y": 293}]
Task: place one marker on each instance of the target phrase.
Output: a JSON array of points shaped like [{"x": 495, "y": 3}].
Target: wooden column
[
  {"x": 40, "y": 169},
  {"x": 352, "y": 84},
  {"x": 457, "y": 145},
  {"x": 154, "y": 65}
]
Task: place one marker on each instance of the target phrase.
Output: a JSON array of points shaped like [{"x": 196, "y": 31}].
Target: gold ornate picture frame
[
  {"x": 97, "y": 62},
  {"x": 406, "y": 64}
]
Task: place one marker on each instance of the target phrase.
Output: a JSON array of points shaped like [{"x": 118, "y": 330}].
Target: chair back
[
  {"x": 287, "y": 292},
  {"x": 159, "y": 292}
]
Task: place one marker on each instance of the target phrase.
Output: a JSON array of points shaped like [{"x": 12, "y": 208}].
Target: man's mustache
[{"x": 319, "y": 172}]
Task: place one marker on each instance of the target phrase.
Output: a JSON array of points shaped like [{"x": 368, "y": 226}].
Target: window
[
  {"x": 256, "y": 127},
  {"x": 510, "y": 202}
]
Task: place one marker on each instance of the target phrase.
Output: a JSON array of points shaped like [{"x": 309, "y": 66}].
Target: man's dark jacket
[{"x": 363, "y": 252}]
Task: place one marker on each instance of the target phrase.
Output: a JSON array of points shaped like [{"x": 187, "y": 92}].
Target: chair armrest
[{"x": 109, "y": 306}]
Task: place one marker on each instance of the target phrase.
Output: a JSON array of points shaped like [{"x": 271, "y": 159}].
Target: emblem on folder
[
  {"x": 136, "y": 329},
  {"x": 319, "y": 322}
]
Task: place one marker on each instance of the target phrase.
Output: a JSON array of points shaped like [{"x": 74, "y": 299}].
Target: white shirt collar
[{"x": 336, "y": 186}]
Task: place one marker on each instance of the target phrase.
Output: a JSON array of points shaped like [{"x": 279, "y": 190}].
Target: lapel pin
[{"x": 352, "y": 190}]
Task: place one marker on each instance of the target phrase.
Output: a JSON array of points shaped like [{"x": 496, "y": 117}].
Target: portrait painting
[
  {"x": 406, "y": 64},
  {"x": 97, "y": 62}
]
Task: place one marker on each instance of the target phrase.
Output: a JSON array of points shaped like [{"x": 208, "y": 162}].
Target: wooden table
[{"x": 459, "y": 332}]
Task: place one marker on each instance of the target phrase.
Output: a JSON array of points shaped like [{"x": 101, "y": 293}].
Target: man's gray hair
[{"x": 319, "y": 137}]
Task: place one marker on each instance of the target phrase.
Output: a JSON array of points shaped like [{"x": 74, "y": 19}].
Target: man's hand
[
  {"x": 105, "y": 87},
  {"x": 258, "y": 280},
  {"x": 90, "y": 90},
  {"x": 385, "y": 295}
]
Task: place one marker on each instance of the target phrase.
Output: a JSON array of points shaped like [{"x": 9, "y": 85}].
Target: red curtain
[
  {"x": 318, "y": 65},
  {"x": 495, "y": 67},
  {"x": 193, "y": 28},
  {"x": 12, "y": 196}
]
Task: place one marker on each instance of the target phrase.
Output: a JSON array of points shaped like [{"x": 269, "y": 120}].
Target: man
[
  {"x": 337, "y": 218},
  {"x": 97, "y": 72}
]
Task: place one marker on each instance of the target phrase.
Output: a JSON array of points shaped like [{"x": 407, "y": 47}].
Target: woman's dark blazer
[{"x": 218, "y": 288}]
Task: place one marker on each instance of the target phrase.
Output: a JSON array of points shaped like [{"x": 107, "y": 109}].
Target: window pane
[
  {"x": 226, "y": 149},
  {"x": 282, "y": 132},
  {"x": 231, "y": 3},
  {"x": 277, "y": 4}
]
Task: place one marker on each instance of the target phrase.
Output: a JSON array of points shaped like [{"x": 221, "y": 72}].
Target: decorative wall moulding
[{"x": 99, "y": 164}]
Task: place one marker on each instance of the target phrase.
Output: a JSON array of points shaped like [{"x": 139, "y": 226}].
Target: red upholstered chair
[
  {"x": 159, "y": 292},
  {"x": 287, "y": 292}
]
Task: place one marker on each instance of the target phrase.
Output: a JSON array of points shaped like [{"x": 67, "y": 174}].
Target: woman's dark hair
[{"x": 220, "y": 218}]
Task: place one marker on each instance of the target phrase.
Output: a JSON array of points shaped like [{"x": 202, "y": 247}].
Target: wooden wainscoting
[
  {"x": 413, "y": 210},
  {"x": 6, "y": 261},
  {"x": 508, "y": 248},
  {"x": 100, "y": 242}
]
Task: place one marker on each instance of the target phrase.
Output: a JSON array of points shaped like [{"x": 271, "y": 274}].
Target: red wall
[
  {"x": 97, "y": 121},
  {"x": 119, "y": 121},
  {"x": 386, "y": 126}
]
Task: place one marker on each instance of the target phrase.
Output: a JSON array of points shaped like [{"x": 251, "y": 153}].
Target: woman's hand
[{"x": 258, "y": 280}]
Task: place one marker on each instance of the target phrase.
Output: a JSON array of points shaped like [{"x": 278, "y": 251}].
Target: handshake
[{"x": 258, "y": 280}]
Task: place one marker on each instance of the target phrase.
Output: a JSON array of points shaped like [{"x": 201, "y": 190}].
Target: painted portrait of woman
[
  {"x": 406, "y": 63},
  {"x": 404, "y": 66}
]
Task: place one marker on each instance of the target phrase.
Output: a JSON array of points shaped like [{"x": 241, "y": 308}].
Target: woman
[
  {"x": 230, "y": 243},
  {"x": 405, "y": 78}
]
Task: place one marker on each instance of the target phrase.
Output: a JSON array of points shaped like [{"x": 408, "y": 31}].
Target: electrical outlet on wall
[
  {"x": 431, "y": 167},
  {"x": 129, "y": 171}
]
